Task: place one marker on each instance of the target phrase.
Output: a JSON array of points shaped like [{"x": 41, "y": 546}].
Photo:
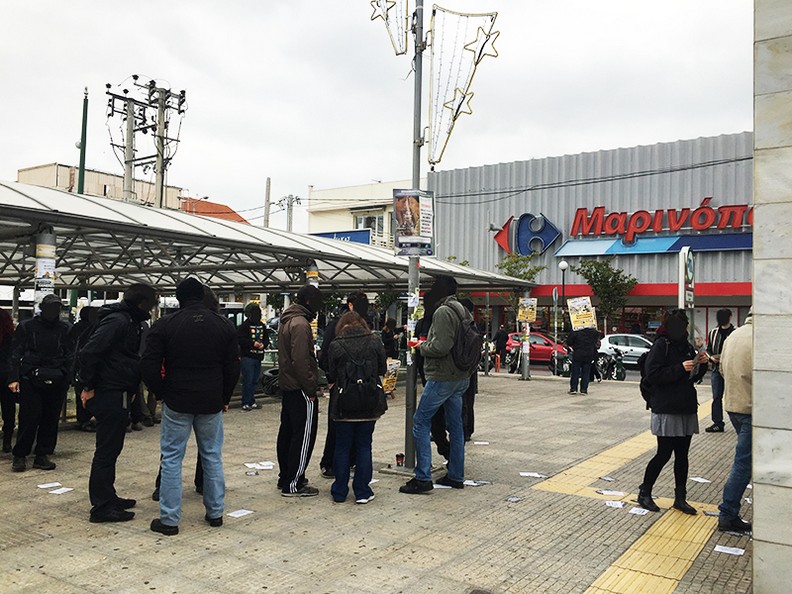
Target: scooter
[{"x": 611, "y": 366}]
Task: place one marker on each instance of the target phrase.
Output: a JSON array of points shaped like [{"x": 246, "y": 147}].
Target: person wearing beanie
[
  {"x": 715, "y": 340},
  {"x": 299, "y": 385},
  {"x": 191, "y": 362},
  {"x": 253, "y": 341},
  {"x": 109, "y": 372},
  {"x": 41, "y": 357}
]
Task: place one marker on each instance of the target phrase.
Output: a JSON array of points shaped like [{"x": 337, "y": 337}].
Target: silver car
[{"x": 631, "y": 346}]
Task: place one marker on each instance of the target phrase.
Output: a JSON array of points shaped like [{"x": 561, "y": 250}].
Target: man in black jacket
[
  {"x": 253, "y": 341},
  {"x": 109, "y": 371},
  {"x": 40, "y": 371},
  {"x": 717, "y": 336},
  {"x": 584, "y": 344},
  {"x": 79, "y": 334},
  {"x": 199, "y": 352}
]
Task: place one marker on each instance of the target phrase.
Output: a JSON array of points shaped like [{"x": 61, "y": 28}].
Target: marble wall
[{"x": 772, "y": 253}]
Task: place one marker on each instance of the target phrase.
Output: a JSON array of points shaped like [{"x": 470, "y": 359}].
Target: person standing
[
  {"x": 500, "y": 339},
  {"x": 7, "y": 397},
  {"x": 41, "y": 363},
  {"x": 358, "y": 302},
  {"x": 299, "y": 385},
  {"x": 584, "y": 344},
  {"x": 253, "y": 341},
  {"x": 390, "y": 338},
  {"x": 109, "y": 371},
  {"x": 199, "y": 352},
  {"x": 445, "y": 385},
  {"x": 672, "y": 370},
  {"x": 355, "y": 348},
  {"x": 736, "y": 364},
  {"x": 715, "y": 341},
  {"x": 80, "y": 333}
]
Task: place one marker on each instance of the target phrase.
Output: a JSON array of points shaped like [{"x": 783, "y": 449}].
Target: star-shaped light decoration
[
  {"x": 381, "y": 8},
  {"x": 483, "y": 45},
  {"x": 460, "y": 103}
]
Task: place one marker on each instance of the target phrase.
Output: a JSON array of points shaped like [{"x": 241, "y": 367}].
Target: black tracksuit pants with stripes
[{"x": 296, "y": 438}]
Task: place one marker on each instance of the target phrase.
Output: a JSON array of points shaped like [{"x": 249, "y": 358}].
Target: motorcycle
[
  {"x": 562, "y": 367},
  {"x": 611, "y": 366},
  {"x": 487, "y": 350}
]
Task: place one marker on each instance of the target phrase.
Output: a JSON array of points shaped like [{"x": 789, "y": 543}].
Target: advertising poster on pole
[
  {"x": 581, "y": 313},
  {"x": 413, "y": 222},
  {"x": 527, "y": 310}
]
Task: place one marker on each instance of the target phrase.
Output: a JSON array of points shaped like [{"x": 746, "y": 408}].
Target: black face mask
[
  {"x": 676, "y": 328},
  {"x": 255, "y": 315}
]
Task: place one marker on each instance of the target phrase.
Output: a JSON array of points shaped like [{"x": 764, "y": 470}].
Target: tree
[
  {"x": 610, "y": 285},
  {"x": 519, "y": 266}
]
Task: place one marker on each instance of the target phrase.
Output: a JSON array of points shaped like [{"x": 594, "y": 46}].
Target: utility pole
[
  {"x": 413, "y": 276},
  {"x": 83, "y": 141},
  {"x": 288, "y": 202},
  {"x": 135, "y": 112},
  {"x": 267, "y": 203}
]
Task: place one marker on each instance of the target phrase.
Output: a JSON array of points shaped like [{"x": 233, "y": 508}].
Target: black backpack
[
  {"x": 359, "y": 392},
  {"x": 466, "y": 352},
  {"x": 647, "y": 389}
]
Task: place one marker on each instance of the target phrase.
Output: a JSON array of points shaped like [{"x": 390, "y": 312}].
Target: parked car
[
  {"x": 632, "y": 346},
  {"x": 542, "y": 347}
]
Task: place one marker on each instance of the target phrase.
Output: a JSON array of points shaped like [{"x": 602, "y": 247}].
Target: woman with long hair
[
  {"x": 672, "y": 369},
  {"x": 355, "y": 351}
]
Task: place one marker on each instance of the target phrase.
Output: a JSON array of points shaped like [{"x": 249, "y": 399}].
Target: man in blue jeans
[
  {"x": 584, "y": 344},
  {"x": 445, "y": 386},
  {"x": 253, "y": 341},
  {"x": 736, "y": 363},
  {"x": 191, "y": 363},
  {"x": 715, "y": 341}
]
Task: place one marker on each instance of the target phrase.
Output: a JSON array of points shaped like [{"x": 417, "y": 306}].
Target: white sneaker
[
  {"x": 365, "y": 501},
  {"x": 246, "y": 407},
  {"x": 255, "y": 405}
]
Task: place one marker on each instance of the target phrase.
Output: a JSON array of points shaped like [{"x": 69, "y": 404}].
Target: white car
[{"x": 631, "y": 346}]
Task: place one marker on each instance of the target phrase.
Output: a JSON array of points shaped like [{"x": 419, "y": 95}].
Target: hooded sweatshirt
[
  {"x": 297, "y": 367},
  {"x": 438, "y": 363}
]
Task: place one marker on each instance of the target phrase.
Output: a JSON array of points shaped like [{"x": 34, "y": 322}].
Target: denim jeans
[
  {"x": 716, "y": 380},
  {"x": 251, "y": 371},
  {"x": 580, "y": 371},
  {"x": 174, "y": 433},
  {"x": 449, "y": 396},
  {"x": 740, "y": 474},
  {"x": 352, "y": 436}
]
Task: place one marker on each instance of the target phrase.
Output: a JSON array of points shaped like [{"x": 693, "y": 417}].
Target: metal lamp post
[{"x": 563, "y": 265}]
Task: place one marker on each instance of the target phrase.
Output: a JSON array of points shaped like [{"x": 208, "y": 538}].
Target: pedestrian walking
[
  {"x": 445, "y": 385},
  {"x": 584, "y": 344},
  {"x": 8, "y": 400},
  {"x": 299, "y": 385},
  {"x": 736, "y": 364},
  {"x": 355, "y": 366},
  {"x": 109, "y": 371},
  {"x": 672, "y": 369},
  {"x": 199, "y": 351},
  {"x": 715, "y": 341},
  {"x": 253, "y": 341},
  {"x": 41, "y": 364}
]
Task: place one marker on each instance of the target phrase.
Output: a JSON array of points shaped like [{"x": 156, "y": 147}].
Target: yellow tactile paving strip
[{"x": 658, "y": 560}]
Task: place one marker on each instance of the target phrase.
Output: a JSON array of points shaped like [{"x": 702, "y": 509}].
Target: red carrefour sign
[{"x": 734, "y": 216}]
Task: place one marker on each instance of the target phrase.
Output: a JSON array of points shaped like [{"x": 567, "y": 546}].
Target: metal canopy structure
[{"x": 108, "y": 244}]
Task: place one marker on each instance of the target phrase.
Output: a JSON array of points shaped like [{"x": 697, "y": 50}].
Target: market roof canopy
[{"x": 108, "y": 244}]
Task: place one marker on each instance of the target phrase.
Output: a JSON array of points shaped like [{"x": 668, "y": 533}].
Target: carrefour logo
[{"x": 531, "y": 235}]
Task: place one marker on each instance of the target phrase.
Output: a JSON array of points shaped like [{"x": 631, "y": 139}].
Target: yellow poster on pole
[
  {"x": 527, "y": 310},
  {"x": 581, "y": 313}
]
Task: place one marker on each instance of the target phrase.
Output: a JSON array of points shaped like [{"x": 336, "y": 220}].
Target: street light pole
[{"x": 563, "y": 265}]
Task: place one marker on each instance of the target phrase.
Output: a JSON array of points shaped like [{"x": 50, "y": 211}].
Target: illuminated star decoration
[
  {"x": 381, "y": 8},
  {"x": 483, "y": 45},
  {"x": 460, "y": 103}
]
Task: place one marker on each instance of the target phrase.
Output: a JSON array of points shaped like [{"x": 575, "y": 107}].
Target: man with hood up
[
  {"x": 253, "y": 341},
  {"x": 109, "y": 371},
  {"x": 299, "y": 385},
  {"x": 40, "y": 371}
]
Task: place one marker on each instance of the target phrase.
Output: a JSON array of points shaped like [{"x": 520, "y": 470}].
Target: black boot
[
  {"x": 645, "y": 499},
  {"x": 7, "y": 441},
  {"x": 681, "y": 504}
]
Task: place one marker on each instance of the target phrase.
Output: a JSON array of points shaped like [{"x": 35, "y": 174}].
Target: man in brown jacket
[
  {"x": 736, "y": 364},
  {"x": 299, "y": 386}
]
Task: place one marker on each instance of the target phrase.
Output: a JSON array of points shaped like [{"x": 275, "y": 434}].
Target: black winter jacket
[
  {"x": 199, "y": 352},
  {"x": 361, "y": 345},
  {"x": 110, "y": 358},
  {"x": 673, "y": 388},
  {"x": 246, "y": 332},
  {"x": 584, "y": 343},
  {"x": 40, "y": 343}
]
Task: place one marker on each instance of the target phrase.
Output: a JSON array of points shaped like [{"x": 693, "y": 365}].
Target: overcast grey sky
[{"x": 310, "y": 92}]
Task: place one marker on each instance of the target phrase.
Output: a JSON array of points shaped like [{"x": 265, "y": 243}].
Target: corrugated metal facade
[{"x": 667, "y": 175}]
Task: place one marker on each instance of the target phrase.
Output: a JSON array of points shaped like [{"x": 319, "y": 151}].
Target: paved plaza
[{"x": 515, "y": 534}]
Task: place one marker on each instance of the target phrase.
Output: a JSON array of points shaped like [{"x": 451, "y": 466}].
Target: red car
[{"x": 542, "y": 346}]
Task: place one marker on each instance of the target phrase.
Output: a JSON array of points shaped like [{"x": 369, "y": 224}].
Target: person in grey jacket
[{"x": 445, "y": 385}]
